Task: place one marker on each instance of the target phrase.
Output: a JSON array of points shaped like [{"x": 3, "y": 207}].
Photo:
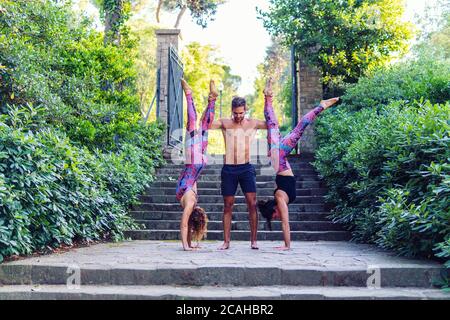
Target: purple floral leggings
[
  {"x": 195, "y": 145},
  {"x": 280, "y": 148}
]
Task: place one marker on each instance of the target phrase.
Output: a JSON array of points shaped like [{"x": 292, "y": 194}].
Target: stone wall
[{"x": 309, "y": 94}]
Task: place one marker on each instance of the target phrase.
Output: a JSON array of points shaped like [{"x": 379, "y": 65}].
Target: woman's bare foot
[
  {"x": 329, "y": 102},
  {"x": 188, "y": 249},
  {"x": 225, "y": 246},
  {"x": 283, "y": 248},
  {"x": 268, "y": 89},
  {"x": 187, "y": 90},
  {"x": 213, "y": 94}
]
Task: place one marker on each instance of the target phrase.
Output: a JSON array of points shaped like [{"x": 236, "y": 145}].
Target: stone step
[
  {"x": 238, "y": 207},
  {"x": 420, "y": 276},
  {"x": 244, "y": 225},
  {"x": 157, "y": 191},
  {"x": 338, "y": 264},
  {"x": 216, "y": 178},
  {"x": 217, "y": 215},
  {"x": 157, "y": 199},
  {"x": 217, "y": 171},
  {"x": 219, "y": 166},
  {"x": 216, "y": 184},
  {"x": 242, "y": 235},
  {"x": 92, "y": 292}
]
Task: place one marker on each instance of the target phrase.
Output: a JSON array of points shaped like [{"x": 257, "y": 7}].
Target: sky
[
  {"x": 238, "y": 34},
  {"x": 241, "y": 38}
]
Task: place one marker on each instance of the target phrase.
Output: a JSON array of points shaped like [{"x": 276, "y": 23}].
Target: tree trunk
[
  {"x": 180, "y": 15},
  {"x": 113, "y": 18},
  {"x": 158, "y": 10}
]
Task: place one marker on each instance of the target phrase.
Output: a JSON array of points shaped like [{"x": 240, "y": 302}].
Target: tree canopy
[
  {"x": 345, "y": 39},
  {"x": 276, "y": 65},
  {"x": 202, "y": 11}
]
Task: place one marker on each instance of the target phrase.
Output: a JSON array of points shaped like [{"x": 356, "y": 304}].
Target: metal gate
[{"x": 175, "y": 101}]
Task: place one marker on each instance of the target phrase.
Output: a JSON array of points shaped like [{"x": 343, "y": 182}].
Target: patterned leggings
[
  {"x": 280, "y": 148},
  {"x": 196, "y": 145}
]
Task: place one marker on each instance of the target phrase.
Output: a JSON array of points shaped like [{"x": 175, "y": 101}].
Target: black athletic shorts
[
  {"x": 234, "y": 174},
  {"x": 287, "y": 184}
]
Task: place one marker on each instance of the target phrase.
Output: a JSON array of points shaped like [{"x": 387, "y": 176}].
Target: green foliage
[
  {"x": 31, "y": 55},
  {"x": 74, "y": 151},
  {"x": 202, "y": 11},
  {"x": 51, "y": 194},
  {"x": 145, "y": 64},
  {"x": 440, "y": 40},
  {"x": 434, "y": 36},
  {"x": 285, "y": 98},
  {"x": 114, "y": 14},
  {"x": 201, "y": 64},
  {"x": 345, "y": 39},
  {"x": 388, "y": 174},
  {"x": 385, "y": 155},
  {"x": 87, "y": 88},
  {"x": 277, "y": 66},
  {"x": 411, "y": 80}
]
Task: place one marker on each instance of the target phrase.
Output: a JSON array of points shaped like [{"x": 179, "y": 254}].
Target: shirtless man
[{"x": 238, "y": 133}]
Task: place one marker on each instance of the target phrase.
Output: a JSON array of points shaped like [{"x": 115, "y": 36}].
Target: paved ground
[
  {"x": 162, "y": 270},
  {"x": 162, "y": 254}
]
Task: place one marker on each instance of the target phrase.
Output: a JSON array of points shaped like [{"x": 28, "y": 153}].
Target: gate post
[
  {"x": 309, "y": 93},
  {"x": 165, "y": 38}
]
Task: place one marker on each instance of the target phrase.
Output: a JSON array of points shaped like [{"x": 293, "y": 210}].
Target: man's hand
[{"x": 328, "y": 103}]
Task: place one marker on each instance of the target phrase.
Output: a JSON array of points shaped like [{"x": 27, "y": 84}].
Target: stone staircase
[
  {"x": 159, "y": 211},
  {"x": 156, "y": 269},
  {"x": 162, "y": 270}
]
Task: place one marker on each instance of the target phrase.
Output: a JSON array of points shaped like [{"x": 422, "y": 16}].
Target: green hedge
[
  {"x": 53, "y": 192},
  {"x": 373, "y": 160},
  {"x": 386, "y": 158},
  {"x": 425, "y": 77},
  {"x": 52, "y": 59},
  {"x": 74, "y": 151}
]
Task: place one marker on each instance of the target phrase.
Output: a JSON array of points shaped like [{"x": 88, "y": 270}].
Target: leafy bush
[
  {"x": 51, "y": 195},
  {"x": 52, "y": 192},
  {"x": 54, "y": 61},
  {"x": 385, "y": 156},
  {"x": 425, "y": 77},
  {"x": 388, "y": 174},
  {"x": 74, "y": 151}
]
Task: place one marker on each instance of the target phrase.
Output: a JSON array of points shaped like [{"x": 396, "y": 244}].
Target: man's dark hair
[{"x": 238, "y": 102}]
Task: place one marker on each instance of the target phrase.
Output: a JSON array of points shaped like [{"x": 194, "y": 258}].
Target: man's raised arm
[
  {"x": 261, "y": 124},
  {"x": 216, "y": 124}
]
